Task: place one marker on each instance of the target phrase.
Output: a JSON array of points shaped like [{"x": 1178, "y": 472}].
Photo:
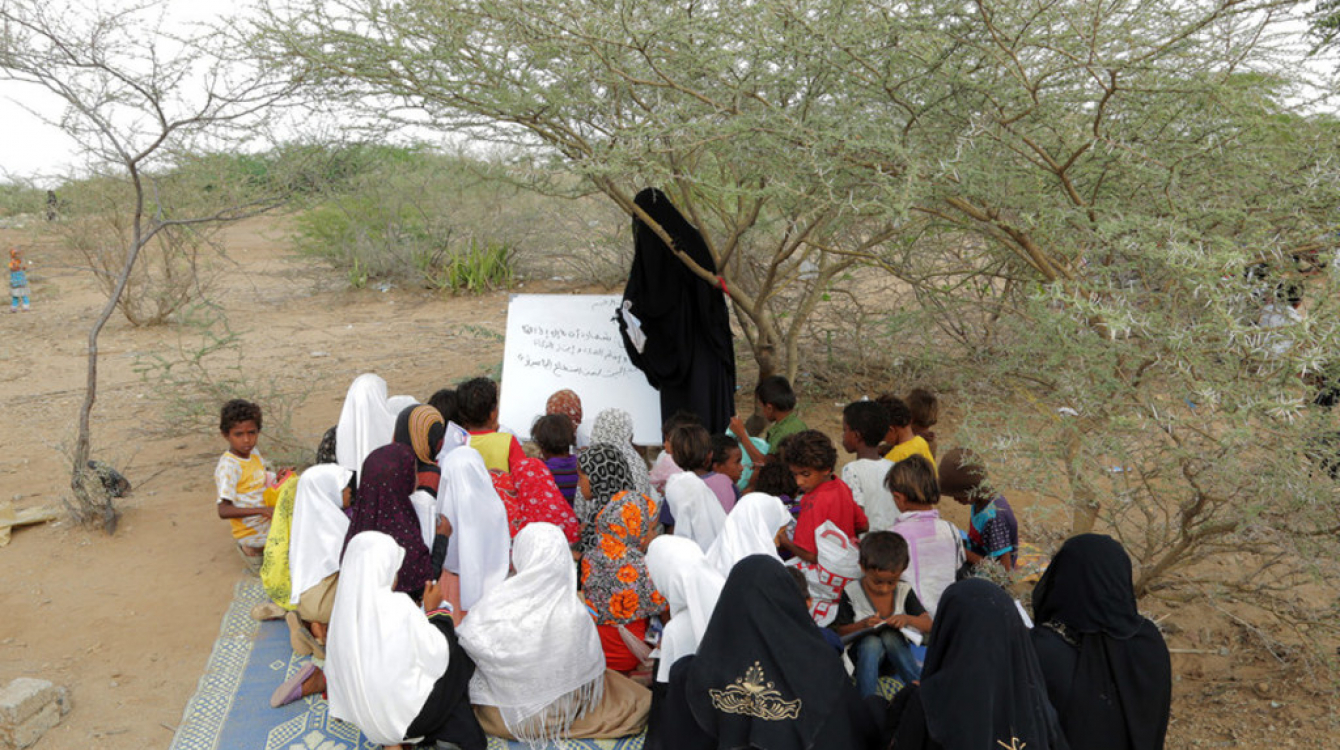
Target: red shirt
[{"x": 830, "y": 501}]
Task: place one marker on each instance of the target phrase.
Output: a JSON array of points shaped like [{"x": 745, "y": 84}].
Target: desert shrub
[
  {"x": 19, "y": 199},
  {"x": 172, "y": 270}
]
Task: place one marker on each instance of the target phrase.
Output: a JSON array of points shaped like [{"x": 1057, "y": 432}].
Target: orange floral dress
[{"x": 614, "y": 572}]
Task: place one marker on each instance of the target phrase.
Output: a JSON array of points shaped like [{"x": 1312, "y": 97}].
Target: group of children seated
[{"x": 734, "y": 593}]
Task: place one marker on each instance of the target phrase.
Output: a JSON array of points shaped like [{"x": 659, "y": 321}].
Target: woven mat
[{"x": 231, "y": 706}]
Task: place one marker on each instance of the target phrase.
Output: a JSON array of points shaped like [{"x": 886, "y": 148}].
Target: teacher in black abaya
[{"x": 682, "y": 338}]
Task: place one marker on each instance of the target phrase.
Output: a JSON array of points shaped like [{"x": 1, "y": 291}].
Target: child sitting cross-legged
[
  {"x": 993, "y": 532},
  {"x": 811, "y": 457},
  {"x": 880, "y": 602}
]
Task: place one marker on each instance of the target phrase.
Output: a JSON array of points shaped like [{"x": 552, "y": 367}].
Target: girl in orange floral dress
[{"x": 615, "y": 581}]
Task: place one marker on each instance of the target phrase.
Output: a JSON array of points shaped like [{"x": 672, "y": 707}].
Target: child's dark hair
[
  {"x": 776, "y": 392},
  {"x": 680, "y": 418},
  {"x": 868, "y": 419},
  {"x": 446, "y": 404},
  {"x": 914, "y": 478},
  {"x": 885, "y": 551},
  {"x": 774, "y": 478},
  {"x": 475, "y": 401},
  {"x": 238, "y": 411},
  {"x": 899, "y": 414},
  {"x": 691, "y": 445},
  {"x": 924, "y": 406},
  {"x": 722, "y": 445},
  {"x": 554, "y": 433},
  {"x": 810, "y": 449},
  {"x": 802, "y": 585}
]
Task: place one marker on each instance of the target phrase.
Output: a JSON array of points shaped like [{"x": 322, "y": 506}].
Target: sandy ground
[{"x": 127, "y": 621}]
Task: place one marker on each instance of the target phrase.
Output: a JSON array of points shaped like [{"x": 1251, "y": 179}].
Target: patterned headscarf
[
  {"x": 565, "y": 402},
  {"x": 607, "y": 471},
  {"x": 538, "y": 498},
  {"x": 615, "y": 426},
  {"x": 614, "y": 573},
  {"x": 383, "y": 504}
]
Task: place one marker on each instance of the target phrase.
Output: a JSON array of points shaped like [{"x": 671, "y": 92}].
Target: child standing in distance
[
  {"x": 477, "y": 407},
  {"x": 18, "y": 282},
  {"x": 864, "y": 424},
  {"x": 811, "y": 457},
  {"x": 993, "y": 533},
  {"x": 925, "y": 409},
  {"x": 554, "y": 434},
  {"x": 726, "y": 469},
  {"x": 904, "y": 441},
  {"x": 240, "y": 478},
  {"x": 935, "y": 552},
  {"x": 880, "y": 599}
]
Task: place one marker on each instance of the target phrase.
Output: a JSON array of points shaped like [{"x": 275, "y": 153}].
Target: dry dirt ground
[{"x": 127, "y": 621}]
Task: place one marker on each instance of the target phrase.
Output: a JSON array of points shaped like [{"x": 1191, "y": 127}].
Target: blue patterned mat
[{"x": 231, "y": 706}]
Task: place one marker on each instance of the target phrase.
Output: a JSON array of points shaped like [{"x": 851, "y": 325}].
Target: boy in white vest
[{"x": 875, "y": 608}]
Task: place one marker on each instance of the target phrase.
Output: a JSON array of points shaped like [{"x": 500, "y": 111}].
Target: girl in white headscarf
[
  {"x": 691, "y": 585},
  {"x": 366, "y": 422},
  {"x": 751, "y": 529},
  {"x": 477, "y": 550},
  {"x": 540, "y": 669},
  {"x": 316, "y": 539},
  {"x": 394, "y": 672},
  {"x": 697, "y": 511}
]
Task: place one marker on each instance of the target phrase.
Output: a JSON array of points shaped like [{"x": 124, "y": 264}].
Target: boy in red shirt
[{"x": 811, "y": 457}]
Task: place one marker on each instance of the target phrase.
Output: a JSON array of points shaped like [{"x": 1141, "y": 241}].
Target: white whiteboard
[{"x": 557, "y": 341}]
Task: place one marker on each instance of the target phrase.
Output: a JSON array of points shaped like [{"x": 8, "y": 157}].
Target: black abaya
[
  {"x": 763, "y": 677},
  {"x": 446, "y": 714},
  {"x": 689, "y": 356},
  {"x": 1107, "y": 668},
  {"x": 981, "y": 686}
]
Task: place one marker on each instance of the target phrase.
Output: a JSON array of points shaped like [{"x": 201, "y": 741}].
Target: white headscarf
[
  {"x": 383, "y": 656},
  {"x": 751, "y": 529},
  {"x": 691, "y": 586},
  {"x": 536, "y": 652},
  {"x": 316, "y": 536},
  {"x": 477, "y": 549},
  {"x": 697, "y": 511},
  {"x": 366, "y": 422}
]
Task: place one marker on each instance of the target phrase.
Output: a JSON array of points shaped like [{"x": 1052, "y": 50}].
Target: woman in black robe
[
  {"x": 981, "y": 686},
  {"x": 688, "y": 354},
  {"x": 1107, "y": 668},
  {"x": 763, "y": 677}
]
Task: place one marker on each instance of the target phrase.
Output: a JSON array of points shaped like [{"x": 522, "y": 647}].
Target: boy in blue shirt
[{"x": 993, "y": 533}]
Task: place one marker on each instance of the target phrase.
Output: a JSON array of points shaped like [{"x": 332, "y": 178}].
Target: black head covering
[
  {"x": 675, "y": 306},
  {"x": 982, "y": 684},
  {"x": 763, "y": 676},
  {"x": 1123, "y": 673}
]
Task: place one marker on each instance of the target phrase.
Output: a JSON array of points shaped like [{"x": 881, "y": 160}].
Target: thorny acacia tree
[
  {"x": 135, "y": 100},
  {"x": 754, "y": 142},
  {"x": 1071, "y": 189},
  {"x": 1096, "y": 180}
]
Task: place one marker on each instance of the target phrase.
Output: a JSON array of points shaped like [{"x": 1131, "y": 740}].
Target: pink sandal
[{"x": 291, "y": 689}]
